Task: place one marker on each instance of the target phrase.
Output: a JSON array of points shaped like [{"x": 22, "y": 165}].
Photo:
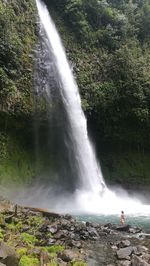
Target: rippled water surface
[{"x": 140, "y": 221}]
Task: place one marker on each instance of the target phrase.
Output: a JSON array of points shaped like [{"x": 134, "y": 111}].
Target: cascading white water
[
  {"x": 88, "y": 168},
  {"x": 92, "y": 196}
]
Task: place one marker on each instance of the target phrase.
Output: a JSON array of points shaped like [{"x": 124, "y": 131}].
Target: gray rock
[
  {"x": 11, "y": 261},
  {"x": 142, "y": 249},
  {"x": 5, "y": 251},
  {"x": 134, "y": 230},
  {"x": 61, "y": 234},
  {"x": 61, "y": 262},
  {"x": 124, "y": 228},
  {"x": 124, "y": 253},
  {"x": 52, "y": 229},
  {"x": 68, "y": 255},
  {"x": 137, "y": 261},
  {"x": 1, "y": 264},
  {"x": 146, "y": 257},
  {"x": 92, "y": 232},
  {"x": 76, "y": 244},
  {"x": 51, "y": 241},
  {"x": 123, "y": 244},
  {"x": 124, "y": 263}
]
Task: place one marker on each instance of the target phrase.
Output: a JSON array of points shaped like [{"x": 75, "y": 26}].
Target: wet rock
[
  {"x": 137, "y": 261},
  {"x": 124, "y": 253},
  {"x": 123, "y": 228},
  {"x": 134, "y": 230}
]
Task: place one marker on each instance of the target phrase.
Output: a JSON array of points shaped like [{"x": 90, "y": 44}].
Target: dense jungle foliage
[
  {"x": 17, "y": 43},
  {"x": 112, "y": 55},
  {"x": 108, "y": 45}
]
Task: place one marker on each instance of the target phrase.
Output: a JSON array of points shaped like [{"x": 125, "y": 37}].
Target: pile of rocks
[{"x": 131, "y": 255}]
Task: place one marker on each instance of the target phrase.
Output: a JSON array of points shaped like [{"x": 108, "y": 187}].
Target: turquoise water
[{"x": 139, "y": 221}]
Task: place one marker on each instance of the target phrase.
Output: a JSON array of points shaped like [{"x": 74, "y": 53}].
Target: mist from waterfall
[{"x": 89, "y": 193}]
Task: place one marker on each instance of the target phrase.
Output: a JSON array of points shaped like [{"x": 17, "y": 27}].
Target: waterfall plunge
[{"x": 91, "y": 195}]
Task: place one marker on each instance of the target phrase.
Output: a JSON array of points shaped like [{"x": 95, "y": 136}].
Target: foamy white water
[
  {"x": 88, "y": 167},
  {"x": 93, "y": 196}
]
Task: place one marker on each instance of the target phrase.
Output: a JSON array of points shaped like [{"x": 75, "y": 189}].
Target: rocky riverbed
[{"x": 36, "y": 237}]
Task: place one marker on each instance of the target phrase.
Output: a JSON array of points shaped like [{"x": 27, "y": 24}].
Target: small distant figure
[{"x": 122, "y": 218}]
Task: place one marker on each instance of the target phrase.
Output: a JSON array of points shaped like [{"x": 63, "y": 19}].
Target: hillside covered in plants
[{"x": 108, "y": 45}]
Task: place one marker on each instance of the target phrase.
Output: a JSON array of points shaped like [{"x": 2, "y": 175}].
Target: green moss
[
  {"x": 54, "y": 249},
  {"x": 11, "y": 227},
  {"x": 28, "y": 261},
  {"x": 21, "y": 251},
  {"x": 28, "y": 239},
  {"x": 1, "y": 234},
  {"x": 35, "y": 221},
  {"x": 79, "y": 263},
  {"x": 19, "y": 225}
]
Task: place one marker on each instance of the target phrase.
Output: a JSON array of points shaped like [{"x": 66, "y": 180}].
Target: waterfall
[
  {"x": 83, "y": 157},
  {"x": 90, "y": 193}
]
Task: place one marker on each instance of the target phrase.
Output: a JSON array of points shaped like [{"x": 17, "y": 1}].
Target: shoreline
[{"x": 38, "y": 237}]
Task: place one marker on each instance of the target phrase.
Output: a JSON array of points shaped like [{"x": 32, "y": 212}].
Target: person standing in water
[{"x": 122, "y": 218}]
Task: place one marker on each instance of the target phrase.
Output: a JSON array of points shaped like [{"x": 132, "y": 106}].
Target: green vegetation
[
  {"x": 18, "y": 38},
  {"x": 28, "y": 239},
  {"x": 79, "y": 263},
  {"x": 21, "y": 252},
  {"x": 108, "y": 42},
  {"x": 54, "y": 248},
  {"x": 17, "y": 30},
  {"x": 28, "y": 261},
  {"x": 112, "y": 56}
]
